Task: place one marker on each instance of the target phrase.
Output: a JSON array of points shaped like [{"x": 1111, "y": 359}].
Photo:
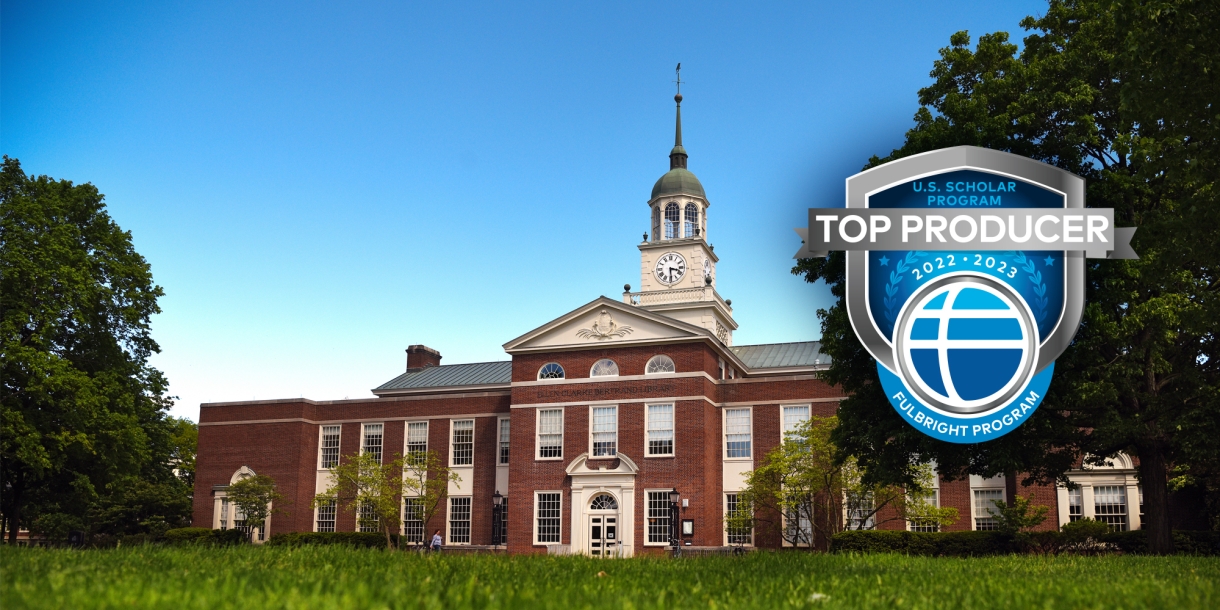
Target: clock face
[{"x": 670, "y": 269}]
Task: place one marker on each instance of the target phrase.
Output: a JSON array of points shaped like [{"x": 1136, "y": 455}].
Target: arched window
[
  {"x": 550, "y": 370},
  {"x": 603, "y": 502},
  {"x": 604, "y": 368},
  {"x": 690, "y": 224},
  {"x": 656, "y": 223},
  {"x": 672, "y": 218},
  {"x": 659, "y": 364}
]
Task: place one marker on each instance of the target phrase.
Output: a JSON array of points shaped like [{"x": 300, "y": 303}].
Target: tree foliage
[
  {"x": 375, "y": 490},
  {"x": 1123, "y": 93},
  {"x": 81, "y": 410}
]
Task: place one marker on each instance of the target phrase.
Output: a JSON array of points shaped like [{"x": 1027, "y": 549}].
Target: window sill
[
  {"x": 740, "y": 459},
  {"x": 549, "y": 459},
  {"x": 660, "y": 455}
]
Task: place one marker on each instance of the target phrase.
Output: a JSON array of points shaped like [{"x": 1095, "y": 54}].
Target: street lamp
[
  {"x": 497, "y": 510},
  {"x": 673, "y": 520}
]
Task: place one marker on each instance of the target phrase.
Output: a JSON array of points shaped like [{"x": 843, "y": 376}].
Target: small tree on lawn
[
  {"x": 426, "y": 483},
  {"x": 362, "y": 483},
  {"x": 800, "y": 488},
  {"x": 254, "y": 496}
]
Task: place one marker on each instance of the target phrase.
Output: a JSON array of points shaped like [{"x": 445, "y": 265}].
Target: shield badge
[{"x": 965, "y": 340}]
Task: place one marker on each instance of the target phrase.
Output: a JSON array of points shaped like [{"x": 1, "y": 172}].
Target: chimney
[{"x": 422, "y": 356}]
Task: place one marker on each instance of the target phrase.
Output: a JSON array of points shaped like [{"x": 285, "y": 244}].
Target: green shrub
[
  {"x": 947, "y": 544},
  {"x": 205, "y": 535},
  {"x": 1080, "y": 537},
  {"x": 359, "y": 539},
  {"x": 1184, "y": 543}
]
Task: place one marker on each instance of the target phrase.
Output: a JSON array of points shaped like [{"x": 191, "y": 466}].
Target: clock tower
[{"x": 677, "y": 265}]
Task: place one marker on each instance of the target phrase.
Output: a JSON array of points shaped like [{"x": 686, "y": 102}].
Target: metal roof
[
  {"x": 781, "y": 355},
  {"x": 450, "y": 375}
]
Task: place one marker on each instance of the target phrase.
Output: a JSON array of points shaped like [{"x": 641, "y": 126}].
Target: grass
[{"x": 340, "y": 577}]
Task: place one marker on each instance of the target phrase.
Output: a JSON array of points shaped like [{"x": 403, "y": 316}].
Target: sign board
[{"x": 965, "y": 281}]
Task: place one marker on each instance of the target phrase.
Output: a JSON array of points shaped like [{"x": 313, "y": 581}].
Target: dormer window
[
  {"x": 604, "y": 368},
  {"x": 550, "y": 370},
  {"x": 673, "y": 216},
  {"x": 690, "y": 224},
  {"x": 659, "y": 364}
]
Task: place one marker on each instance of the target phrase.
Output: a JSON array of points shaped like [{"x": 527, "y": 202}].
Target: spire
[{"x": 677, "y": 156}]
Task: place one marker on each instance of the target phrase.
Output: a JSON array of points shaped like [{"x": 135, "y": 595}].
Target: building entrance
[{"x": 603, "y": 536}]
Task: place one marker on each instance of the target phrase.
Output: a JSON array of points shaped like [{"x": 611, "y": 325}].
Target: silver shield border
[{"x": 865, "y": 183}]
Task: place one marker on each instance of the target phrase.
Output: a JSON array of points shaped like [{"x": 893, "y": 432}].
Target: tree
[
  {"x": 1121, "y": 92},
  {"x": 184, "y": 444},
  {"x": 802, "y": 485},
  {"x": 255, "y": 497},
  {"x": 426, "y": 483},
  {"x": 375, "y": 490},
  {"x": 80, "y": 407}
]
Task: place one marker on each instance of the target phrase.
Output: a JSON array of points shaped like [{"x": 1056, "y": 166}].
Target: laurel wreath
[
  {"x": 1035, "y": 277},
  {"x": 891, "y": 287}
]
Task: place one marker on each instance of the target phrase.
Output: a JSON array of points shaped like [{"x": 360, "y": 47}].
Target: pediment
[
  {"x": 620, "y": 465},
  {"x": 603, "y": 323}
]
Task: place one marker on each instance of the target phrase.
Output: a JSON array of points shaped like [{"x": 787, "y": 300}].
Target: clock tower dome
[{"x": 677, "y": 265}]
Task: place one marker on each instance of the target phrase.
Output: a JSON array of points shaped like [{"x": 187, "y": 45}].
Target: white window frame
[
  {"x": 671, "y": 361},
  {"x": 453, "y": 443},
  {"x": 317, "y": 512},
  {"x": 537, "y": 506},
  {"x": 552, "y": 379},
  {"x": 974, "y": 507},
  {"x": 783, "y": 433},
  {"x": 449, "y": 521},
  {"x": 599, "y": 361},
  {"x": 725, "y": 509},
  {"x": 935, "y": 491},
  {"x": 724, "y": 435},
  {"x": 322, "y": 442},
  {"x": 538, "y": 434},
  {"x": 364, "y": 438},
  {"x": 402, "y": 521},
  {"x": 406, "y": 435},
  {"x": 673, "y": 429},
  {"x": 665, "y": 493},
  {"x": 592, "y": 455},
  {"x": 501, "y": 459}
]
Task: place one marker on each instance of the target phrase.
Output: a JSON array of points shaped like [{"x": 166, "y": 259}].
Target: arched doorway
[{"x": 603, "y": 526}]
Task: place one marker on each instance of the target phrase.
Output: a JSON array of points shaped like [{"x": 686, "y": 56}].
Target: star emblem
[
  {"x": 1050, "y": 262},
  {"x": 883, "y": 261}
]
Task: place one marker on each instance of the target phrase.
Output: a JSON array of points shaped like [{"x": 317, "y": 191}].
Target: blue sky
[{"x": 318, "y": 185}]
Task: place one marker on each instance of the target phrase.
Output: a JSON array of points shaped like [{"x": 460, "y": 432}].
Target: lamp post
[
  {"x": 497, "y": 510},
  {"x": 673, "y": 521}
]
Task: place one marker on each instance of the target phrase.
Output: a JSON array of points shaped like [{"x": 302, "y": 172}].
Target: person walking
[{"x": 436, "y": 541}]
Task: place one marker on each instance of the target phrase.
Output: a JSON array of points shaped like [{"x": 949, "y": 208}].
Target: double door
[{"x": 603, "y": 535}]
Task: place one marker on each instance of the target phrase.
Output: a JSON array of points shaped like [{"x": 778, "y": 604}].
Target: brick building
[{"x": 595, "y": 419}]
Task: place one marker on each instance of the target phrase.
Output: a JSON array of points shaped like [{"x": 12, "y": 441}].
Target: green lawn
[{"x": 339, "y": 577}]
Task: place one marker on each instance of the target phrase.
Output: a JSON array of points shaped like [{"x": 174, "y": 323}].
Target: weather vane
[{"x": 678, "y": 71}]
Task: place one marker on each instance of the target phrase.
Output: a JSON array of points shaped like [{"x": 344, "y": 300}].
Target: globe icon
[{"x": 965, "y": 343}]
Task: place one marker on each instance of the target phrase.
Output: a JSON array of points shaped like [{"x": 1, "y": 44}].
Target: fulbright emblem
[{"x": 965, "y": 280}]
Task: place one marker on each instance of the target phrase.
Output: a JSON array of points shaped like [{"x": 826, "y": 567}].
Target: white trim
[
  {"x": 783, "y": 406},
  {"x": 406, "y": 434},
  {"x": 453, "y": 444},
  {"x": 538, "y": 434},
  {"x": 599, "y": 360},
  {"x": 606, "y": 379},
  {"x": 364, "y": 431},
  {"x": 355, "y": 420},
  {"x": 449, "y": 521},
  {"x": 673, "y": 428},
  {"x": 500, "y": 421},
  {"x": 724, "y": 434},
  {"x": 535, "y": 518},
  {"x": 662, "y": 373},
  {"x": 590, "y": 438},
  {"x": 582, "y": 403},
  {"x": 724, "y": 511},
  {"x": 538, "y": 375}
]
